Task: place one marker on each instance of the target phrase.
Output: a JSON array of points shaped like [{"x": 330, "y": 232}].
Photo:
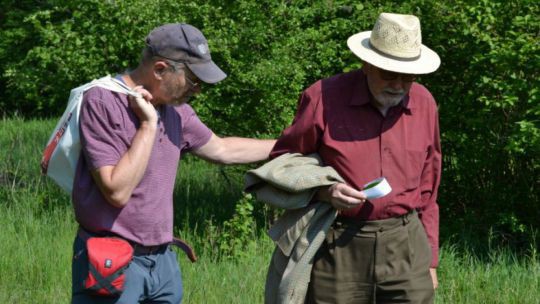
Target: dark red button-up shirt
[{"x": 335, "y": 118}]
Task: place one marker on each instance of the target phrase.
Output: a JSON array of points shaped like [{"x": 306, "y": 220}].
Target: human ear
[{"x": 159, "y": 68}]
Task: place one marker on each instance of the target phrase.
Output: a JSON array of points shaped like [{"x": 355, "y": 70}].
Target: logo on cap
[{"x": 203, "y": 48}]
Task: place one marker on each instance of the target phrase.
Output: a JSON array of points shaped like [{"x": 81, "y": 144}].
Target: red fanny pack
[{"x": 108, "y": 258}]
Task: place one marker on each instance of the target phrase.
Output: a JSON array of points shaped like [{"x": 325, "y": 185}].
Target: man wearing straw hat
[{"x": 370, "y": 123}]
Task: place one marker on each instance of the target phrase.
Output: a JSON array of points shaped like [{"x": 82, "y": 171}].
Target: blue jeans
[{"x": 152, "y": 278}]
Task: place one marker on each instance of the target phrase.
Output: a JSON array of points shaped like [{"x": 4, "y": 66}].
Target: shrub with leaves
[
  {"x": 487, "y": 87},
  {"x": 238, "y": 233}
]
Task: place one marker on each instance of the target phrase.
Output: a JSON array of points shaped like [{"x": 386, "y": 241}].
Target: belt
[
  {"x": 139, "y": 249},
  {"x": 376, "y": 225}
]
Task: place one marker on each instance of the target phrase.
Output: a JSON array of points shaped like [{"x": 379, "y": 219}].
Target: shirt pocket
[{"x": 415, "y": 166}]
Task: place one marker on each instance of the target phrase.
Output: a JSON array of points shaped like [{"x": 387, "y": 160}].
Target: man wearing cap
[
  {"x": 370, "y": 123},
  {"x": 131, "y": 148}
]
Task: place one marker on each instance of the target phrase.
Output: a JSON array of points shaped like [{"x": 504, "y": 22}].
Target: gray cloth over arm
[{"x": 290, "y": 182}]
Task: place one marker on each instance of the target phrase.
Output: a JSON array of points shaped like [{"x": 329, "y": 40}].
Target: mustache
[{"x": 392, "y": 91}]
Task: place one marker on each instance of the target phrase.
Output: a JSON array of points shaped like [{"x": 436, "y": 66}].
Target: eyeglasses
[
  {"x": 389, "y": 75},
  {"x": 175, "y": 66},
  {"x": 192, "y": 83}
]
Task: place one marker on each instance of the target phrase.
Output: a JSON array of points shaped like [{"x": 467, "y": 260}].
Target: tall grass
[
  {"x": 38, "y": 227},
  {"x": 500, "y": 277}
]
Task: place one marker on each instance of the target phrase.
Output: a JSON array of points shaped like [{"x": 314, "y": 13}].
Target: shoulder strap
[{"x": 110, "y": 83}]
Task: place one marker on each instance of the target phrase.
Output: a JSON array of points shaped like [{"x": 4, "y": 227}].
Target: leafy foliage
[
  {"x": 487, "y": 86},
  {"x": 238, "y": 233},
  {"x": 488, "y": 93}
]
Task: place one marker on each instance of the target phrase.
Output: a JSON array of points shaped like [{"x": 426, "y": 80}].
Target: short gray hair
[{"x": 148, "y": 57}]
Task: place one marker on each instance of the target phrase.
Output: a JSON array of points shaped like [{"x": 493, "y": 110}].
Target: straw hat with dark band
[{"x": 395, "y": 44}]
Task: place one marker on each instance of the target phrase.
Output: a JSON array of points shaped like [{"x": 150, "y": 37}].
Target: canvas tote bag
[{"x": 62, "y": 151}]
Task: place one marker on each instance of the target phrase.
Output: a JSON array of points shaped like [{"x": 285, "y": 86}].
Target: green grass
[
  {"x": 501, "y": 277},
  {"x": 38, "y": 229}
]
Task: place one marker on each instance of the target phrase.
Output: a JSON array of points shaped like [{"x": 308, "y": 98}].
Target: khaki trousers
[{"x": 385, "y": 261}]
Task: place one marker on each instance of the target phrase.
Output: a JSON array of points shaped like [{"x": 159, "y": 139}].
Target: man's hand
[
  {"x": 433, "y": 272},
  {"x": 341, "y": 196},
  {"x": 142, "y": 106}
]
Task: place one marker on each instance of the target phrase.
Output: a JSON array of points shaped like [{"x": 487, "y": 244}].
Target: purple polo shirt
[
  {"x": 336, "y": 119},
  {"x": 107, "y": 128}
]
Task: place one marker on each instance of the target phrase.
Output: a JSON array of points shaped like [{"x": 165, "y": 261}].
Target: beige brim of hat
[{"x": 428, "y": 61}]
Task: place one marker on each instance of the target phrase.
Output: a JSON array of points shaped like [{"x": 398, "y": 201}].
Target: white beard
[{"x": 389, "y": 98}]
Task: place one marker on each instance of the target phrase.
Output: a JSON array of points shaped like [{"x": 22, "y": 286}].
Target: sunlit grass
[{"x": 38, "y": 228}]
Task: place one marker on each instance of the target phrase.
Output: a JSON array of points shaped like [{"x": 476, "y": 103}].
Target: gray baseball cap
[{"x": 185, "y": 43}]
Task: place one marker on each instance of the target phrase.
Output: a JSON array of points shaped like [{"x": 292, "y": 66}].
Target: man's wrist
[
  {"x": 323, "y": 194},
  {"x": 148, "y": 125}
]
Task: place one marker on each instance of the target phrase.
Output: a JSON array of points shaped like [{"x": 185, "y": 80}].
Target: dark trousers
[{"x": 384, "y": 261}]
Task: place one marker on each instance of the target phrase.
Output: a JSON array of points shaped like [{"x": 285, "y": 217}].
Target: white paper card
[{"x": 377, "y": 188}]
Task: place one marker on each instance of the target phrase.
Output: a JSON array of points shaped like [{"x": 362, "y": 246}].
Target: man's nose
[{"x": 397, "y": 84}]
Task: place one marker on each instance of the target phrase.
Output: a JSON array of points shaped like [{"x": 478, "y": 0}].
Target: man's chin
[{"x": 390, "y": 101}]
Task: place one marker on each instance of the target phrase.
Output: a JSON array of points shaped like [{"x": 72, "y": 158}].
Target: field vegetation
[
  {"x": 487, "y": 89},
  {"x": 225, "y": 227}
]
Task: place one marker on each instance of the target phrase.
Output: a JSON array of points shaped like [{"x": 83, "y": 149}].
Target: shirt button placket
[{"x": 386, "y": 151}]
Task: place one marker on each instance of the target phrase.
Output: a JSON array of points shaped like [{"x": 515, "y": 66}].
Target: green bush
[
  {"x": 238, "y": 233},
  {"x": 487, "y": 86},
  {"x": 488, "y": 91}
]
